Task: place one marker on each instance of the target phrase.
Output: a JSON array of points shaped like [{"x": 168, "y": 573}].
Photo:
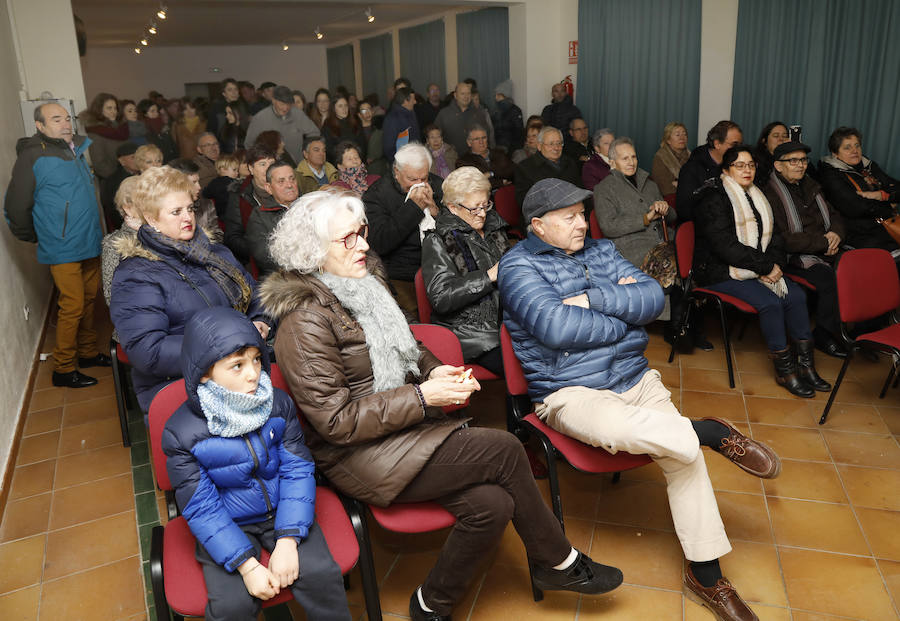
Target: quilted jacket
[
  {"x": 221, "y": 483},
  {"x": 559, "y": 345}
]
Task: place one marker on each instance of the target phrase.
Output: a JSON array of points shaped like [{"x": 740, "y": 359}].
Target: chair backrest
[
  {"x": 163, "y": 406},
  {"x": 422, "y": 298},
  {"x": 684, "y": 249},
  {"x": 670, "y": 198},
  {"x": 506, "y": 206},
  {"x": 440, "y": 341},
  {"x": 516, "y": 384},
  {"x": 867, "y": 284},
  {"x": 596, "y": 231}
]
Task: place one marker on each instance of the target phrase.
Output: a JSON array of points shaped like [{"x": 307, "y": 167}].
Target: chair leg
[
  {"x": 616, "y": 477},
  {"x": 837, "y": 384},
  {"x": 121, "y": 403},
  {"x": 726, "y": 338},
  {"x": 555, "y": 498},
  {"x": 887, "y": 382},
  {"x": 537, "y": 593},
  {"x": 682, "y": 326},
  {"x": 157, "y": 581},
  {"x": 366, "y": 561}
]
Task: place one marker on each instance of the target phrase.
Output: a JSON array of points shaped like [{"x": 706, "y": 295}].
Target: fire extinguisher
[{"x": 570, "y": 86}]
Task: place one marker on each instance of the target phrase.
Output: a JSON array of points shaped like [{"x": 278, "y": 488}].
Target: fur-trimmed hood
[
  {"x": 130, "y": 246},
  {"x": 834, "y": 162}
]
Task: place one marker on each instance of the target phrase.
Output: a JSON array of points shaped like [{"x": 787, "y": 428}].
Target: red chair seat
[
  {"x": 336, "y": 526},
  {"x": 482, "y": 374},
  {"x": 889, "y": 336},
  {"x": 800, "y": 280},
  {"x": 583, "y": 456},
  {"x": 121, "y": 355},
  {"x": 730, "y": 299},
  {"x": 413, "y": 517}
]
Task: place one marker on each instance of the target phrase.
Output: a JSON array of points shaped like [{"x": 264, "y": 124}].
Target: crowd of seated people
[{"x": 335, "y": 204}]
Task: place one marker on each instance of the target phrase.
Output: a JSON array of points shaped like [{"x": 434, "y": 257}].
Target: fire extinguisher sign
[{"x": 573, "y": 52}]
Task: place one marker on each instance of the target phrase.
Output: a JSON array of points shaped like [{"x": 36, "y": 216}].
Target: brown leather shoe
[
  {"x": 722, "y": 599},
  {"x": 749, "y": 455}
]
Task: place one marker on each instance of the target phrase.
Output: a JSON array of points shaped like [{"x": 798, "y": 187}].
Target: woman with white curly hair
[{"x": 373, "y": 398}]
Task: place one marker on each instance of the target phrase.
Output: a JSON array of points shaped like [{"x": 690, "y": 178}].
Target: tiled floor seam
[{"x": 85, "y": 570}]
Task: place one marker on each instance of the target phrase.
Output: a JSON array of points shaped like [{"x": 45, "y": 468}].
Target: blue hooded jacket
[
  {"x": 601, "y": 347},
  {"x": 221, "y": 483}
]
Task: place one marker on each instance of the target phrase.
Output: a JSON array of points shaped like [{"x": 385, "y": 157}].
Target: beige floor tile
[
  {"x": 648, "y": 472},
  {"x": 636, "y": 503},
  {"x": 103, "y": 388},
  {"x": 745, "y": 517},
  {"x": 628, "y": 603},
  {"x": 86, "y": 596},
  {"x": 21, "y": 605},
  {"x": 791, "y": 443},
  {"x": 26, "y": 517},
  {"x": 726, "y": 476},
  {"x": 698, "y": 359},
  {"x": 849, "y": 417},
  {"x": 775, "y": 411},
  {"x": 868, "y": 487},
  {"x": 763, "y": 385},
  {"x": 817, "y": 525},
  {"x": 891, "y": 417},
  {"x": 754, "y": 571},
  {"x": 821, "y": 581},
  {"x": 90, "y": 501},
  {"x": 807, "y": 480},
  {"x": 646, "y": 557},
  {"x": 721, "y": 405},
  {"x": 93, "y": 435},
  {"x": 881, "y": 529},
  {"x": 579, "y": 491},
  {"x": 92, "y": 465},
  {"x": 707, "y": 380},
  {"x": 891, "y": 572},
  {"x": 38, "y": 448},
  {"x": 863, "y": 449},
  {"x": 505, "y": 595},
  {"x": 32, "y": 479},
  {"x": 753, "y": 362},
  {"x": 88, "y": 411},
  {"x": 21, "y": 562},
  {"x": 802, "y": 615},
  {"x": 42, "y": 421},
  {"x": 91, "y": 544},
  {"x": 46, "y": 399}
]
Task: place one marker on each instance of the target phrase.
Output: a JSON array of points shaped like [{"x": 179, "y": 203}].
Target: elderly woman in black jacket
[
  {"x": 740, "y": 253},
  {"x": 459, "y": 266}
]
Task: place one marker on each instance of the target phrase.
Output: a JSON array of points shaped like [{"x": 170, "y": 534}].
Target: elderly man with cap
[
  {"x": 576, "y": 309},
  {"x": 812, "y": 230},
  {"x": 110, "y": 185},
  {"x": 285, "y": 118}
]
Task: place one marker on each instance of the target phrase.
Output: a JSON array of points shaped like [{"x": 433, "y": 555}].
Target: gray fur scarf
[{"x": 392, "y": 348}]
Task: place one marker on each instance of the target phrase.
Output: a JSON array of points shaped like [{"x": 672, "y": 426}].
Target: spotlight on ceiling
[
  {"x": 369, "y": 16},
  {"x": 152, "y": 28},
  {"x": 144, "y": 41},
  {"x": 319, "y": 34},
  {"x": 284, "y": 46},
  {"x": 137, "y": 50},
  {"x": 161, "y": 13}
]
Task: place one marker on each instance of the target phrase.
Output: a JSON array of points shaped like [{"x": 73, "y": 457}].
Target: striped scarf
[{"x": 793, "y": 217}]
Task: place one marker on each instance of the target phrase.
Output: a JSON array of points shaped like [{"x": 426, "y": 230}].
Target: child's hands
[
  {"x": 259, "y": 581},
  {"x": 284, "y": 564}
]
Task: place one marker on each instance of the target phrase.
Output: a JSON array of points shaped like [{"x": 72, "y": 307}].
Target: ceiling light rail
[{"x": 152, "y": 28}]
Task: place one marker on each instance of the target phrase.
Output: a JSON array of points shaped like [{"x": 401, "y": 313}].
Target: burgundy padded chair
[
  {"x": 596, "y": 231},
  {"x": 120, "y": 366},
  {"x": 867, "y": 287},
  {"x": 176, "y": 575},
  {"x": 506, "y": 205}
]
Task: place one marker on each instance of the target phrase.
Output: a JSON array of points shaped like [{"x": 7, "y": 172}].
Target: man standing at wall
[
  {"x": 457, "y": 117},
  {"x": 561, "y": 110},
  {"x": 51, "y": 201},
  {"x": 285, "y": 118}
]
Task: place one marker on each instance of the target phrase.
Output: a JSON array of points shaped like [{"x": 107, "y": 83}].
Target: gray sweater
[{"x": 292, "y": 128}]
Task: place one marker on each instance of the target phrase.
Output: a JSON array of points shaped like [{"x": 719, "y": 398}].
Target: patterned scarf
[
  {"x": 793, "y": 217},
  {"x": 392, "y": 348},
  {"x": 231, "y": 414},
  {"x": 197, "y": 251},
  {"x": 673, "y": 161},
  {"x": 356, "y": 178},
  {"x": 441, "y": 168}
]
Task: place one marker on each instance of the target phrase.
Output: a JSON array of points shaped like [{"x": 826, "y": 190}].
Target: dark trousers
[
  {"x": 319, "y": 589},
  {"x": 822, "y": 277},
  {"x": 775, "y": 314},
  {"x": 482, "y": 477},
  {"x": 492, "y": 360}
]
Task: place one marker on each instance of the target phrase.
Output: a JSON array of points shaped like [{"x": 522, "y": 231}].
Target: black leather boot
[
  {"x": 805, "y": 367},
  {"x": 786, "y": 373}
]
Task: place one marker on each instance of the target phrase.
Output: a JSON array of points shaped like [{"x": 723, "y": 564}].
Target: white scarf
[{"x": 746, "y": 228}]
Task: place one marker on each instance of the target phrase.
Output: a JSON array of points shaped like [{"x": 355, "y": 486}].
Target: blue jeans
[{"x": 778, "y": 317}]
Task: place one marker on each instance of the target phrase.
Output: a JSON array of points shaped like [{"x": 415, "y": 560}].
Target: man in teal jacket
[{"x": 51, "y": 201}]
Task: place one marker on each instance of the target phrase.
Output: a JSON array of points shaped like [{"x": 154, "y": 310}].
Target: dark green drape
[
  {"x": 821, "y": 64},
  {"x": 377, "y": 57},
  {"x": 482, "y": 39},
  {"x": 422, "y": 55},
  {"x": 639, "y": 68},
  {"x": 340, "y": 67}
]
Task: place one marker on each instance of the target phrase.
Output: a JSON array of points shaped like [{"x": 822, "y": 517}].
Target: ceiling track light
[
  {"x": 137, "y": 50},
  {"x": 144, "y": 41},
  {"x": 319, "y": 34},
  {"x": 162, "y": 12},
  {"x": 284, "y": 46},
  {"x": 152, "y": 28},
  {"x": 369, "y": 16}
]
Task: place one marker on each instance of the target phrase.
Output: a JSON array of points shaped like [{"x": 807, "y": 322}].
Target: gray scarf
[{"x": 392, "y": 348}]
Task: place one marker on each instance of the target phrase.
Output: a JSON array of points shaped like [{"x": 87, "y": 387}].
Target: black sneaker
[
  {"x": 584, "y": 576},
  {"x": 73, "y": 379},
  {"x": 417, "y": 614},
  {"x": 100, "y": 360}
]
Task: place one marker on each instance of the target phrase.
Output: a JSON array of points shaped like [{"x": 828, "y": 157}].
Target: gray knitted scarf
[{"x": 392, "y": 348}]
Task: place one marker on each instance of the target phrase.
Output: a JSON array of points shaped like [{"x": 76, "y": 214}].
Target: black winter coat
[
  {"x": 696, "y": 172},
  {"x": 560, "y": 113},
  {"x": 509, "y": 129},
  {"x": 532, "y": 169}
]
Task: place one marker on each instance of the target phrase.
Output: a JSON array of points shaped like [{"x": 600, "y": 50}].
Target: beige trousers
[{"x": 643, "y": 420}]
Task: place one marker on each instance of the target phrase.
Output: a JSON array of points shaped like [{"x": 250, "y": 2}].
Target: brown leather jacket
[{"x": 369, "y": 445}]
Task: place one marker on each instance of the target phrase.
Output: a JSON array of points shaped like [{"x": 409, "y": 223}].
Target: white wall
[
  {"x": 167, "y": 69},
  {"x": 719, "y": 38},
  {"x": 22, "y": 280}
]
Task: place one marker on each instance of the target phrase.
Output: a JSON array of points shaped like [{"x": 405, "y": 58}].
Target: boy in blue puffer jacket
[{"x": 243, "y": 477}]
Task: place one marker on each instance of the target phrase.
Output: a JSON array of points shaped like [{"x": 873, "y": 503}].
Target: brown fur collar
[{"x": 129, "y": 246}]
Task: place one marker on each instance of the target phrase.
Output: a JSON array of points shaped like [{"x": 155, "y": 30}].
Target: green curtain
[
  {"x": 422, "y": 55},
  {"x": 377, "y": 57},
  {"x": 639, "y": 68},
  {"x": 821, "y": 64},
  {"x": 340, "y": 67},
  {"x": 482, "y": 39}
]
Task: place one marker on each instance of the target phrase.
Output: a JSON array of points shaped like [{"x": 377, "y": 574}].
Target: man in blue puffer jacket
[
  {"x": 575, "y": 309},
  {"x": 243, "y": 477}
]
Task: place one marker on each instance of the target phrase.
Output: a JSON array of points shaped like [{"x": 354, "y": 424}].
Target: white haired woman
[
  {"x": 459, "y": 265},
  {"x": 373, "y": 398},
  {"x": 169, "y": 271},
  {"x": 400, "y": 208}
]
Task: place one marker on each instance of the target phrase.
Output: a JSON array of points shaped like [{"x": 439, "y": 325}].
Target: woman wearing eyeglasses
[
  {"x": 459, "y": 266},
  {"x": 373, "y": 396},
  {"x": 739, "y": 252}
]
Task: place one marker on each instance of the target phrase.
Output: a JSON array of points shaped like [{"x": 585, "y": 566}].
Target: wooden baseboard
[{"x": 26, "y": 403}]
